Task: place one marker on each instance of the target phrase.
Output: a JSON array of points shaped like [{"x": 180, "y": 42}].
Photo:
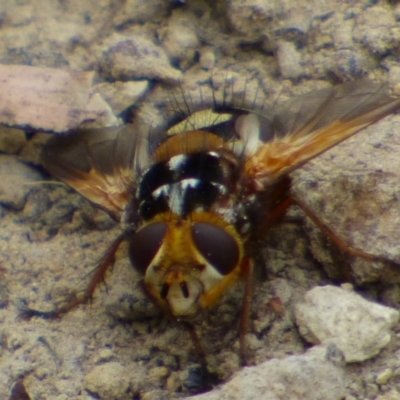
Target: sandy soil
[{"x": 120, "y": 347}]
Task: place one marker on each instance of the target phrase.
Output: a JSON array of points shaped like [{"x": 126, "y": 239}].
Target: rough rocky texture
[
  {"x": 51, "y": 239},
  {"x": 16, "y": 179},
  {"x": 137, "y": 58},
  {"x": 365, "y": 190},
  {"x": 122, "y": 95},
  {"x": 108, "y": 380},
  {"x": 50, "y": 99},
  {"x": 359, "y": 328},
  {"x": 317, "y": 374},
  {"x": 11, "y": 140}
]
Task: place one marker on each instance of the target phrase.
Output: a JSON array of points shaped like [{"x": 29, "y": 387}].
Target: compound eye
[
  {"x": 217, "y": 246},
  {"x": 145, "y": 244}
]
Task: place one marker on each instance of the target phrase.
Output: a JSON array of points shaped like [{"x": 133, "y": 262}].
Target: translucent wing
[
  {"x": 101, "y": 164},
  {"x": 104, "y": 164},
  {"x": 309, "y": 125}
]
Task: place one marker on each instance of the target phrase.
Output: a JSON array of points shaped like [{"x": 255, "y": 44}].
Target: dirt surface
[{"x": 120, "y": 347}]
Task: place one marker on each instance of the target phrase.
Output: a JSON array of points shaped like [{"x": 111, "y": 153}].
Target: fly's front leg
[
  {"x": 342, "y": 245},
  {"x": 196, "y": 343},
  {"x": 283, "y": 202},
  {"x": 106, "y": 262},
  {"x": 247, "y": 273}
]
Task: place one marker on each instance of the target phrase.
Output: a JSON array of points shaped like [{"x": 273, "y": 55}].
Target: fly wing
[
  {"x": 309, "y": 125},
  {"x": 101, "y": 164}
]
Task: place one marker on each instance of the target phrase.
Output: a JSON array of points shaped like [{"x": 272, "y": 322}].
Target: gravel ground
[{"x": 120, "y": 347}]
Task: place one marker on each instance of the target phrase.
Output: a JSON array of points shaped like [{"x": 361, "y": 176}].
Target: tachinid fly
[{"x": 198, "y": 194}]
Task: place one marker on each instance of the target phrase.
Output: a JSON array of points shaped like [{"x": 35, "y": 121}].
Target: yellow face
[{"x": 187, "y": 263}]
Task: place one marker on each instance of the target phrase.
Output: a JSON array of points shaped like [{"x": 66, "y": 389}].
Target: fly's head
[{"x": 187, "y": 263}]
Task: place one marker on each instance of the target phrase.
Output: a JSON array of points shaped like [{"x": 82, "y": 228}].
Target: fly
[{"x": 197, "y": 195}]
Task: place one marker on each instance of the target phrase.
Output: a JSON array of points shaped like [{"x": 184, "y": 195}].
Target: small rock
[
  {"x": 207, "y": 58},
  {"x": 250, "y": 18},
  {"x": 42, "y": 372},
  {"x": 105, "y": 355},
  {"x": 157, "y": 373},
  {"x": 108, "y": 381},
  {"x": 359, "y": 328},
  {"x": 180, "y": 39},
  {"x": 15, "y": 178},
  {"x": 138, "y": 57},
  {"x": 15, "y": 341},
  {"x": 121, "y": 95},
  {"x": 289, "y": 60},
  {"x": 314, "y": 375},
  {"x": 49, "y": 98},
  {"x": 392, "y": 395},
  {"x": 140, "y": 11},
  {"x": 384, "y": 376},
  {"x": 173, "y": 382},
  {"x": 11, "y": 140},
  {"x": 31, "y": 152},
  {"x": 377, "y": 29},
  {"x": 62, "y": 397},
  {"x": 349, "y": 63}
]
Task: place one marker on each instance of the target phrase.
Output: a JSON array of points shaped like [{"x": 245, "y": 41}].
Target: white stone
[
  {"x": 108, "y": 380},
  {"x": 359, "y": 328},
  {"x": 314, "y": 375},
  {"x": 289, "y": 60}
]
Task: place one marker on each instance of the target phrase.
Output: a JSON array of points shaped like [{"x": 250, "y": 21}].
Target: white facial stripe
[
  {"x": 178, "y": 303},
  {"x": 210, "y": 277}
]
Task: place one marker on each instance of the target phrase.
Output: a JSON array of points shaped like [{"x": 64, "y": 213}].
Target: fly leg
[
  {"x": 205, "y": 379},
  {"x": 247, "y": 269},
  {"x": 196, "y": 343},
  {"x": 107, "y": 260},
  {"x": 341, "y": 244}
]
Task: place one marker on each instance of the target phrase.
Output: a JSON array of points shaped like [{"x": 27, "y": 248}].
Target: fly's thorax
[
  {"x": 187, "y": 263},
  {"x": 194, "y": 172}
]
